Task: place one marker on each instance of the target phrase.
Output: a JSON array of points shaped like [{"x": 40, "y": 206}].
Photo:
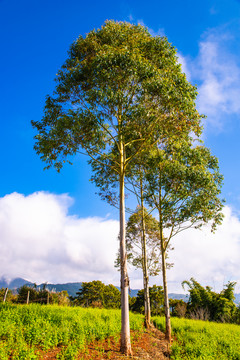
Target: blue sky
[{"x": 35, "y": 38}]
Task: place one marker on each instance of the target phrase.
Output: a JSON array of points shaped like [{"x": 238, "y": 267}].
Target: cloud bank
[
  {"x": 40, "y": 242},
  {"x": 212, "y": 259}
]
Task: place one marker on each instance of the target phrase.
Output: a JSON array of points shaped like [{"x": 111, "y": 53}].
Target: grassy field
[
  {"x": 203, "y": 340},
  {"x": 26, "y": 330}
]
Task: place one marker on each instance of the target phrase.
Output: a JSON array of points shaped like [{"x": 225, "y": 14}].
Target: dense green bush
[{"x": 205, "y": 304}]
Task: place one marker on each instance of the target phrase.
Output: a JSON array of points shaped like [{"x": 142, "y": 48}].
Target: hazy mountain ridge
[
  {"x": 73, "y": 288},
  {"x": 13, "y": 284}
]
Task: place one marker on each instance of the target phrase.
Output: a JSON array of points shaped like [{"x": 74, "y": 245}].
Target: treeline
[
  {"x": 32, "y": 294},
  {"x": 203, "y": 303},
  {"x": 97, "y": 294}
]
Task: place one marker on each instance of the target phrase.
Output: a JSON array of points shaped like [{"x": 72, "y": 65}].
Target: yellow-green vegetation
[
  {"x": 27, "y": 329},
  {"x": 203, "y": 340}
]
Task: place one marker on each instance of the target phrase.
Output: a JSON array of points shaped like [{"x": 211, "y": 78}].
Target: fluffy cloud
[
  {"x": 185, "y": 67},
  {"x": 216, "y": 69},
  {"x": 212, "y": 259},
  {"x": 40, "y": 242},
  {"x": 220, "y": 75}
]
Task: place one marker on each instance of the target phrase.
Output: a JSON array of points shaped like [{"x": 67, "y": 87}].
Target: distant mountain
[
  {"x": 18, "y": 282},
  {"x": 3, "y": 283},
  {"x": 133, "y": 293},
  {"x": 13, "y": 284},
  {"x": 237, "y": 299},
  {"x": 71, "y": 288},
  {"x": 178, "y": 297}
]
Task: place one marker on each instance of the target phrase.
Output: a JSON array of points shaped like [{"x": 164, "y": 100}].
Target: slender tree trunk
[
  {"x": 28, "y": 294},
  {"x": 5, "y": 295},
  {"x": 164, "y": 270},
  {"x": 165, "y": 289},
  {"x": 147, "y": 308},
  {"x": 125, "y": 325}
]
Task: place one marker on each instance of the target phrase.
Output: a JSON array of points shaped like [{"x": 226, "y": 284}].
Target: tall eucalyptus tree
[{"x": 119, "y": 89}]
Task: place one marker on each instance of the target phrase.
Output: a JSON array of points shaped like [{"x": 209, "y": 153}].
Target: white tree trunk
[
  {"x": 125, "y": 324},
  {"x": 5, "y": 295},
  {"x": 147, "y": 308},
  {"x": 166, "y": 301}
]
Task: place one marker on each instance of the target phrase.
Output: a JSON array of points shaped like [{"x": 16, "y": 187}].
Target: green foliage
[
  {"x": 10, "y": 296},
  {"x": 203, "y": 340},
  {"x": 184, "y": 184},
  {"x": 97, "y": 294},
  {"x": 41, "y": 296},
  {"x": 112, "y": 297},
  {"x": 26, "y": 329},
  {"x": 228, "y": 292},
  {"x": 206, "y": 304},
  {"x": 33, "y": 294},
  {"x": 156, "y": 301},
  {"x": 134, "y": 242},
  {"x": 178, "y": 307},
  {"x": 106, "y": 91}
]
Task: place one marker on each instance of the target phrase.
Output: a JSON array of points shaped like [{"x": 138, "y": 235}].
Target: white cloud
[
  {"x": 212, "y": 259},
  {"x": 41, "y": 242},
  {"x": 220, "y": 74},
  {"x": 216, "y": 69},
  {"x": 184, "y": 62}
]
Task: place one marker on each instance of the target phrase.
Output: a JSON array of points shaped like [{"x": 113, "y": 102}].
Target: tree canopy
[
  {"x": 134, "y": 242},
  {"x": 97, "y": 294},
  {"x": 156, "y": 301},
  {"x": 116, "y": 81}
]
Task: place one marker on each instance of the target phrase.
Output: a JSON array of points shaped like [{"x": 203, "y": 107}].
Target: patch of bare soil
[{"x": 149, "y": 345}]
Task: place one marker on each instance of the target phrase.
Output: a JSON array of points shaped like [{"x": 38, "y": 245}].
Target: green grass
[
  {"x": 203, "y": 340},
  {"x": 26, "y": 329}
]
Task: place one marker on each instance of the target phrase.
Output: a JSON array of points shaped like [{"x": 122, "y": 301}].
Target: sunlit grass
[
  {"x": 26, "y": 329},
  {"x": 203, "y": 340}
]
